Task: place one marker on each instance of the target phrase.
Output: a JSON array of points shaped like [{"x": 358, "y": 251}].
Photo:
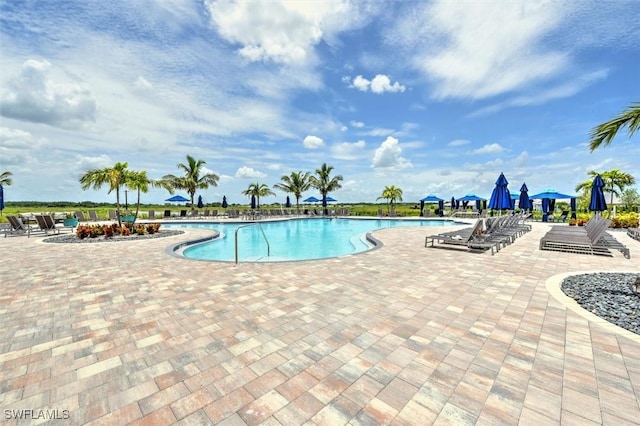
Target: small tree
[
  {"x": 296, "y": 183},
  {"x": 258, "y": 190},
  {"x": 324, "y": 183},
  {"x": 630, "y": 198},
  {"x": 115, "y": 177},
  {"x": 192, "y": 179},
  {"x": 391, "y": 193}
]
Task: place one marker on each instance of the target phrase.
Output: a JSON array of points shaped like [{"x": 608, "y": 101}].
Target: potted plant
[
  {"x": 70, "y": 220},
  {"x": 573, "y": 222}
]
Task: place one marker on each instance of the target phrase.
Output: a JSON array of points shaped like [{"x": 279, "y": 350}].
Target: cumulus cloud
[
  {"x": 34, "y": 96},
  {"x": 249, "y": 173},
  {"x": 357, "y": 124},
  {"x": 379, "y": 84},
  {"x": 492, "y": 148},
  {"x": 282, "y": 32},
  {"x": 312, "y": 142},
  {"x": 348, "y": 150},
  {"x": 459, "y": 142},
  {"x": 15, "y": 138},
  {"x": 389, "y": 155},
  {"x": 344, "y": 128},
  {"x": 143, "y": 84}
]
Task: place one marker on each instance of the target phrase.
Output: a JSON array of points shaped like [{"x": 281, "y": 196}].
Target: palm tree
[
  {"x": 140, "y": 182},
  {"x": 192, "y": 180},
  {"x": 258, "y": 190},
  {"x": 391, "y": 193},
  {"x": 296, "y": 183},
  {"x": 5, "y": 178},
  {"x": 603, "y": 134},
  {"x": 324, "y": 183},
  {"x": 115, "y": 177},
  {"x": 615, "y": 181}
]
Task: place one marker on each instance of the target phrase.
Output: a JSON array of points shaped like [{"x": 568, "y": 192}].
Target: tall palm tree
[
  {"x": 603, "y": 134},
  {"x": 391, "y": 193},
  {"x": 140, "y": 182},
  {"x": 5, "y": 178},
  {"x": 192, "y": 179},
  {"x": 115, "y": 177},
  {"x": 258, "y": 190},
  {"x": 615, "y": 181},
  {"x": 324, "y": 183},
  {"x": 296, "y": 183}
]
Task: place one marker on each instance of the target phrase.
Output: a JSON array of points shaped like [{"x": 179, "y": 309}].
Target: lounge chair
[
  {"x": 183, "y": 214},
  {"x": 634, "y": 233},
  {"x": 460, "y": 238},
  {"x": 17, "y": 227},
  {"x": 80, "y": 216},
  {"x": 167, "y": 214},
  {"x": 47, "y": 224},
  {"x": 584, "y": 240},
  {"x": 113, "y": 215},
  {"x": 152, "y": 214},
  {"x": 93, "y": 215}
]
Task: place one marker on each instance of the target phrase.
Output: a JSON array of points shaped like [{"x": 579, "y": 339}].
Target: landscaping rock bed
[{"x": 607, "y": 295}]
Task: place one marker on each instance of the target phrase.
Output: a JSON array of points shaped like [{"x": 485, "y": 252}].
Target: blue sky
[{"x": 433, "y": 97}]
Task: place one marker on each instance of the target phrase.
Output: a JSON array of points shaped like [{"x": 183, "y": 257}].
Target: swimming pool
[{"x": 295, "y": 239}]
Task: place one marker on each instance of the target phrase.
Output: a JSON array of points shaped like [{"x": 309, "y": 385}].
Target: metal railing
[{"x": 263, "y": 234}]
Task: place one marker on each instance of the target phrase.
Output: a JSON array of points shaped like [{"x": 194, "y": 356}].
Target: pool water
[{"x": 297, "y": 239}]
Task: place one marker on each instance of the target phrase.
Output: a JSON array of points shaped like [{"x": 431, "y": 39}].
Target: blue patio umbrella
[
  {"x": 311, "y": 199},
  {"x": 470, "y": 197},
  {"x": 523, "y": 200},
  {"x": 177, "y": 199},
  {"x": 200, "y": 203},
  {"x": 431, "y": 199},
  {"x": 500, "y": 197},
  {"x": 550, "y": 194},
  {"x": 1, "y": 199},
  {"x": 253, "y": 202},
  {"x": 598, "y": 203},
  {"x": 330, "y": 199},
  {"x": 287, "y": 204},
  {"x": 224, "y": 202}
]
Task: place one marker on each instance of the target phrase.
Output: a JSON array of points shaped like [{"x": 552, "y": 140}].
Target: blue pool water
[{"x": 299, "y": 239}]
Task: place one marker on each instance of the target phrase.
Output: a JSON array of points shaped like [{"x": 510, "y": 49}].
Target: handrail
[{"x": 263, "y": 234}]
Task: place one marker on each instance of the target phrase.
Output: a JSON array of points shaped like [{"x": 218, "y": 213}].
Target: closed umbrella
[
  {"x": 253, "y": 202},
  {"x": 200, "y": 203},
  {"x": 545, "y": 208},
  {"x": 598, "y": 203},
  {"x": 1, "y": 199},
  {"x": 523, "y": 201},
  {"x": 441, "y": 207},
  {"x": 500, "y": 197},
  {"x": 224, "y": 202},
  {"x": 287, "y": 204},
  {"x": 573, "y": 208}
]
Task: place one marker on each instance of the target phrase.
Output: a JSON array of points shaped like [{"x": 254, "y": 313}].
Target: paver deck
[{"x": 123, "y": 333}]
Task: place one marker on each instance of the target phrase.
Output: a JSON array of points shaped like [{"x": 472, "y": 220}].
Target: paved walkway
[{"x": 123, "y": 333}]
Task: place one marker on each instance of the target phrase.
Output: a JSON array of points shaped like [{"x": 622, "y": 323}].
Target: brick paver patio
[{"x": 123, "y": 333}]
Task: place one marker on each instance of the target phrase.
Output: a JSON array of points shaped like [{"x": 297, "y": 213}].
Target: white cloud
[
  {"x": 379, "y": 84},
  {"x": 34, "y": 96},
  {"x": 142, "y": 83},
  {"x": 482, "y": 49},
  {"x": 283, "y": 32},
  {"x": 344, "y": 128},
  {"x": 312, "y": 142},
  {"x": 357, "y": 124},
  {"x": 459, "y": 142},
  {"x": 348, "y": 150},
  {"x": 521, "y": 159},
  {"x": 249, "y": 173},
  {"x": 492, "y": 148},
  {"x": 389, "y": 155}
]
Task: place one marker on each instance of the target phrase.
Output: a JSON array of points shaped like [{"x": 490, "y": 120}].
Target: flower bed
[{"x": 113, "y": 230}]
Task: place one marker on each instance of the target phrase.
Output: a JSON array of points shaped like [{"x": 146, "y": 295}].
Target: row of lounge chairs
[
  {"x": 592, "y": 238},
  {"x": 45, "y": 222},
  {"x": 486, "y": 234},
  {"x": 634, "y": 233}
]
